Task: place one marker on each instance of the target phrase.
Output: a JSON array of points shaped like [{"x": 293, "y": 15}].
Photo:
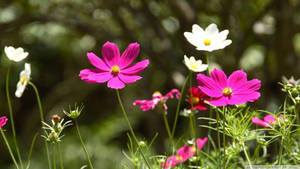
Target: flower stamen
[
  {"x": 207, "y": 42},
  {"x": 115, "y": 69},
  {"x": 195, "y": 100},
  {"x": 227, "y": 91},
  {"x": 23, "y": 80}
]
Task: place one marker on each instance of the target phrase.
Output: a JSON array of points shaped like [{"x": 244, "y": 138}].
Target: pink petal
[
  {"x": 129, "y": 55},
  {"x": 259, "y": 122},
  {"x": 3, "y": 121},
  {"x": 111, "y": 54},
  {"x": 201, "y": 143},
  {"x": 208, "y": 86},
  {"x": 219, "y": 77},
  {"x": 236, "y": 79},
  {"x": 248, "y": 88},
  {"x": 115, "y": 83},
  {"x": 172, "y": 92},
  {"x": 221, "y": 101},
  {"x": 269, "y": 118},
  {"x": 236, "y": 100},
  {"x": 94, "y": 76},
  {"x": 136, "y": 68},
  {"x": 97, "y": 62},
  {"x": 129, "y": 78}
]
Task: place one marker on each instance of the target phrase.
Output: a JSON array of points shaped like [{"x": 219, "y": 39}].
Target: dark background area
[{"x": 58, "y": 34}]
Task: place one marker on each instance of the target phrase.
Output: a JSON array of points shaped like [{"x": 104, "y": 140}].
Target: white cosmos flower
[
  {"x": 15, "y": 54},
  {"x": 194, "y": 65},
  {"x": 24, "y": 78},
  {"x": 209, "y": 39}
]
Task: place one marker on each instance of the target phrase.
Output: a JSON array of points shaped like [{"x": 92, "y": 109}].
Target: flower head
[
  {"x": 3, "y": 121},
  {"x": 24, "y": 79},
  {"x": 197, "y": 98},
  {"x": 184, "y": 153},
  {"x": 268, "y": 119},
  {"x": 74, "y": 113},
  {"x": 209, "y": 39},
  {"x": 194, "y": 65},
  {"x": 229, "y": 91},
  {"x": 157, "y": 98},
  {"x": 15, "y": 54},
  {"x": 114, "y": 70}
]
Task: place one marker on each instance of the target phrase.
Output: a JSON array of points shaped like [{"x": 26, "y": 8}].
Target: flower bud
[
  {"x": 56, "y": 118},
  {"x": 74, "y": 114}
]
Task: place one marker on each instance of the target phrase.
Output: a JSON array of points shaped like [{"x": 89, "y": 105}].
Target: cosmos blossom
[
  {"x": 24, "y": 79},
  {"x": 115, "y": 70},
  {"x": 194, "y": 65},
  {"x": 3, "y": 121},
  {"x": 209, "y": 39},
  {"x": 15, "y": 54},
  {"x": 197, "y": 98},
  {"x": 184, "y": 153},
  {"x": 233, "y": 90},
  {"x": 268, "y": 119},
  {"x": 157, "y": 98}
]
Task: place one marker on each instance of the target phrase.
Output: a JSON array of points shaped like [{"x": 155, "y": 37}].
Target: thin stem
[
  {"x": 53, "y": 156},
  {"x": 246, "y": 154},
  {"x": 207, "y": 62},
  {"x": 224, "y": 136},
  {"x": 130, "y": 128},
  {"x": 82, "y": 145},
  {"x": 30, "y": 150},
  {"x": 167, "y": 126},
  {"x": 218, "y": 135},
  {"x": 280, "y": 152},
  {"x": 11, "y": 116},
  {"x": 60, "y": 157},
  {"x": 192, "y": 117},
  {"x": 9, "y": 149},
  {"x": 42, "y": 119},
  {"x": 178, "y": 105}
]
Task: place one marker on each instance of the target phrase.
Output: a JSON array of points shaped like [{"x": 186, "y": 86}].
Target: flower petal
[
  {"x": 259, "y": 122},
  {"x": 94, "y": 76},
  {"x": 129, "y": 78},
  {"x": 269, "y": 118},
  {"x": 220, "y": 101},
  {"x": 3, "y": 121},
  {"x": 136, "y": 68},
  {"x": 110, "y": 53},
  {"x": 212, "y": 29},
  {"x": 129, "y": 55},
  {"x": 248, "y": 88},
  {"x": 201, "y": 143},
  {"x": 208, "y": 86},
  {"x": 237, "y": 79},
  {"x": 115, "y": 83},
  {"x": 97, "y": 62},
  {"x": 219, "y": 77}
]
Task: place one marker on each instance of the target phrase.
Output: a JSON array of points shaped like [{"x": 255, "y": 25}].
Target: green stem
[
  {"x": 130, "y": 128},
  {"x": 42, "y": 119},
  {"x": 246, "y": 154},
  {"x": 280, "y": 152},
  {"x": 11, "y": 116},
  {"x": 192, "y": 117},
  {"x": 53, "y": 156},
  {"x": 207, "y": 62},
  {"x": 9, "y": 149},
  {"x": 30, "y": 150},
  {"x": 178, "y": 105},
  {"x": 82, "y": 145},
  {"x": 167, "y": 126},
  {"x": 218, "y": 135},
  {"x": 60, "y": 156},
  {"x": 224, "y": 136}
]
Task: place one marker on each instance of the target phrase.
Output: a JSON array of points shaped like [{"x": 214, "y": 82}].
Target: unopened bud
[{"x": 56, "y": 118}]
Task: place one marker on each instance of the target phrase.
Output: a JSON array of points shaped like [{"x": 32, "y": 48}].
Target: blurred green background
[{"x": 59, "y": 33}]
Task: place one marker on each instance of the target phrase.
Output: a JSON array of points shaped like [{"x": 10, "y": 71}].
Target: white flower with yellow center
[
  {"x": 209, "y": 39},
  {"x": 194, "y": 65},
  {"x": 24, "y": 79},
  {"x": 15, "y": 54}
]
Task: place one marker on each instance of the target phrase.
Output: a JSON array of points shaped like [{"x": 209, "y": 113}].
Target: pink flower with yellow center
[
  {"x": 115, "y": 70},
  {"x": 3, "y": 121},
  {"x": 268, "y": 120},
  {"x": 233, "y": 90},
  {"x": 184, "y": 153},
  {"x": 157, "y": 98}
]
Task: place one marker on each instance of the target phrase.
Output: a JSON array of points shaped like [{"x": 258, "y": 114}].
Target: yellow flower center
[
  {"x": 157, "y": 93},
  {"x": 115, "y": 69},
  {"x": 227, "y": 91},
  {"x": 23, "y": 79},
  {"x": 178, "y": 158},
  {"x": 195, "y": 100},
  {"x": 207, "y": 42},
  {"x": 193, "y": 65},
  {"x": 193, "y": 149}
]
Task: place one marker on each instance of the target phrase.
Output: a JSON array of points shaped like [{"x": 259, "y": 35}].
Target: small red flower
[{"x": 197, "y": 98}]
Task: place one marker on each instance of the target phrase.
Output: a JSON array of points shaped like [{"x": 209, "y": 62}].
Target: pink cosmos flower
[
  {"x": 233, "y": 90},
  {"x": 3, "y": 121},
  {"x": 114, "y": 70},
  {"x": 268, "y": 119},
  {"x": 157, "y": 98},
  {"x": 183, "y": 154}
]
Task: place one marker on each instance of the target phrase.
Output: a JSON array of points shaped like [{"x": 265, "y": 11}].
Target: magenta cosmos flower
[
  {"x": 268, "y": 120},
  {"x": 115, "y": 70},
  {"x": 157, "y": 98},
  {"x": 3, "y": 121},
  {"x": 184, "y": 153},
  {"x": 233, "y": 90}
]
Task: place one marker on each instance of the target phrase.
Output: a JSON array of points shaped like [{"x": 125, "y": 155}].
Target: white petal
[
  {"x": 186, "y": 61},
  {"x": 191, "y": 38},
  {"x": 223, "y": 35},
  {"x": 20, "y": 89},
  {"x": 196, "y": 29},
  {"x": 212, "y": 29}
]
